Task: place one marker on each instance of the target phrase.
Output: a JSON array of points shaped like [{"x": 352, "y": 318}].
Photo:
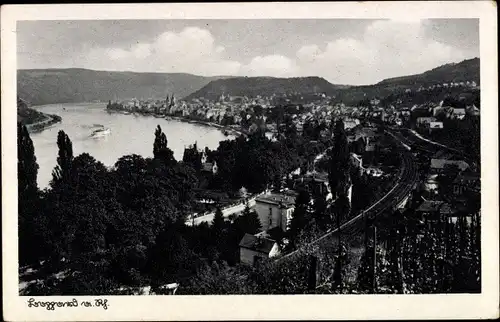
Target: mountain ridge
[
  {"x": 265, "y": 86},
  {"x": 72, "y": 85},
  {"x": 75, "y": 85}
]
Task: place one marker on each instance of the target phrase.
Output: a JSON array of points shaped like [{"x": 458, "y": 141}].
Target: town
[{"x": 308, "y": 186}]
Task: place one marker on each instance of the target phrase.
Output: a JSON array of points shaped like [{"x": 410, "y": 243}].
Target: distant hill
[
  {"x": 467, "y": 70},
  {"x": 47, "y": 86},
  {"x": 264, "y": 86},
  {"x": 27, "y": 115}
]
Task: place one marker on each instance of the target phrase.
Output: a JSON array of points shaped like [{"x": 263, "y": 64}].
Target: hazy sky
[{"x": 354, "y": 51}]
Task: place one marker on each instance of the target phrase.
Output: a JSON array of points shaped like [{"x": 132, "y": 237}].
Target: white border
[{"x": 483, "y": 305}]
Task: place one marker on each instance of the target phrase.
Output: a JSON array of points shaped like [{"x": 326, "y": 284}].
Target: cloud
[
  {"x": 271, "y": 65},
  {"x": 192, "y": 50},
  {"x": 387, "y": 48}
]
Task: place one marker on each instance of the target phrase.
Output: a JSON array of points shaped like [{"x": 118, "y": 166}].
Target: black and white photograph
[{"x": 237, "y": 156}]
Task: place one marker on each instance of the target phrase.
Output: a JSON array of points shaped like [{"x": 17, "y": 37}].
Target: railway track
[{"x": 407, "y": 178}]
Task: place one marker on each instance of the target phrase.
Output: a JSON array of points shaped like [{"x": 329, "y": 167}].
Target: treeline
[
  {"x": 454, "y": 97},
  {"x": 104, "y": 228},
  {"x": 32, "y": 118},
  {"x": 412, "y": 256},
  {"x": 257, "y": 162},
  {"x": 421, "y": 255},
  {"x": 124, "y": 226},
  {"x": 104, "y": 225},
  {"x": 464, "y": 135}
]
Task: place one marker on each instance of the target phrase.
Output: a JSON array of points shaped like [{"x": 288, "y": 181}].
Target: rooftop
[
  {"x": 467, "y": 177},
  {"x": 430, "y": 206},
  {"x": 287, "y": 199},
  {"x": 207, "y": 166},
  {"x": 317, "y": 176},
  {"x": 442, "y": 154},
  {"x": 259, "y": 244},
  {"x": 444, "y": 208}
]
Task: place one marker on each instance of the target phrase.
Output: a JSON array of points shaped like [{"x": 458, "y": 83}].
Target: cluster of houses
[
  {"x": 456, "y": 206},
  {"x": 443, "y": 159},
  {"x": 148, "y": 106},
  {"x": 429, "y": 115},
  {"x": 275, "y": 209},
  {"x": 467, "y": 84}
]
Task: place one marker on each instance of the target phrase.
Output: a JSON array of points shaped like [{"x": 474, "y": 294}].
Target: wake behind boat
[{"x": 100, "y": 132}]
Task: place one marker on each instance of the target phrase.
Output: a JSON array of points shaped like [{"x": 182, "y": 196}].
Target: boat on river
[{"x": 100, "y": 132}]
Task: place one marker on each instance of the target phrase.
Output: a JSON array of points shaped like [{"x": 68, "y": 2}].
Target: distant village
[{"x": 231, "y": 110}]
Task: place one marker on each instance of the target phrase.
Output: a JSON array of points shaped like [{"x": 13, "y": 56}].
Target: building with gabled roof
[
  {"x": 275, "y": 209},
  {"x": 254, "y": 248}
]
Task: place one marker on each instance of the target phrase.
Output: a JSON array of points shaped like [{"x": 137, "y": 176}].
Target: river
[{"x": 130, "y": 134}]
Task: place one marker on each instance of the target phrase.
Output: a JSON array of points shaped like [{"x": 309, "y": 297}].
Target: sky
[{"x": 343, "y": 51}]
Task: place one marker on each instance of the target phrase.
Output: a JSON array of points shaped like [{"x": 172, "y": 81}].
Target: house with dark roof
[
  {"x": 441, "y": 159},
  {"x": 210, "y": 167},
  {"x": 314, "y": 182},
  {"x": 256, "y": 248},
  {"x": 473, "y": 110},
  {"x": 469, "y": 181},
  {"x": 434, "y": 210}
]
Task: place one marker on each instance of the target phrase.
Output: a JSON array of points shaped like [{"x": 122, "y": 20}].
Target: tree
[
  {"x": 28, "y": 197},
  {"x": 170, "y": 257},
  {"x": 27, "y": 167},
  {"x": 300, "y": 215},
  {"x": 160, "y": 149},
  {"x": 320, "y": 208},
  {"x": 341, "y": 210},
  {"x": 248, "y": 221},
  {"x": 290, "y": 130},
  {"x": 338, "y": 174},
  {"x": 64, "y": 159},
  {"x": 218, "y": 224},
  {"x": 192, "y": 157}
]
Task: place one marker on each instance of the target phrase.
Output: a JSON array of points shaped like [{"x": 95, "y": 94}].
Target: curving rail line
[{"x": 407, "y": 178}]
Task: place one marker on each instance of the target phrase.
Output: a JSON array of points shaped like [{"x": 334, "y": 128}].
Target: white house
[
  {"x": 457, "y": 113},
  {"x": 422, "y": 121},
  {"x": 275, "y": 210},
  {"x": 435, "y": 125}
]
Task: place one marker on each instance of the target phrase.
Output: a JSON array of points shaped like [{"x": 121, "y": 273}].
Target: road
[
  {"x": 226, "y": 212},
  {"x": 235, "y": 209}
]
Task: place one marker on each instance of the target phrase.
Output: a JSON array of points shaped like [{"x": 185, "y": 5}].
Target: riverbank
[
  {"x": 229, "y": 129},
  {"x": 50, "y": 119}
]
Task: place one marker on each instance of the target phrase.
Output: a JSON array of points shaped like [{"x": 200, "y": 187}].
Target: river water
[{"x": 130, "y": 134}]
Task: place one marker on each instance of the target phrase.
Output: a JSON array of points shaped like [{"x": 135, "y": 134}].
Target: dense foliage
[{"x": 103, "y": 228}]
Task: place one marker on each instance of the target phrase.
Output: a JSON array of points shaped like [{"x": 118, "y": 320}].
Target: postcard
[{"x": 246, "y": 161}]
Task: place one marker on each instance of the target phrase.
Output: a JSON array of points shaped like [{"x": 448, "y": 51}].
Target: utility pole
[
  {"x": 374, "y": 283},
  {"x": 312, "y": 278}
]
